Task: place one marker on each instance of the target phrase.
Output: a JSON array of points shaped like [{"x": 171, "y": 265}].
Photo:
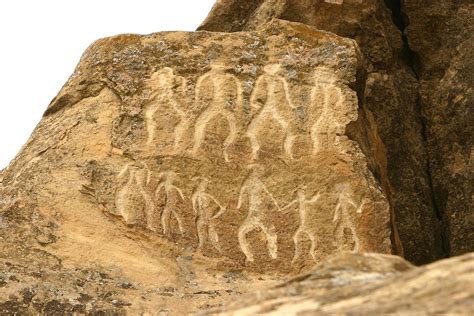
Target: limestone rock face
[
  {"x": 419, "y": 91},
  {"x": 367, "y": 284},
  {"x": 177, "y": 157}
]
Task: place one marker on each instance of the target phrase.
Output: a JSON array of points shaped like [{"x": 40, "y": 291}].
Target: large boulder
[{"x": 174, "y": 158}]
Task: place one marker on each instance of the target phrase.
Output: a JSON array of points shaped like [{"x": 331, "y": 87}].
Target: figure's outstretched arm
[
  {"x": 214, "y": 199},
  {"x": 288, "y": 205},
  {"x": 359, "y": 209},
  {"x": 273, "y": 199},
  {"x": 315, "y": 198},
  {"x": 179, "y": 192},
  {"x": 124, "y": 172},
  {"x": 222, "y": 210},
  {"x": 349, "y": 200}
]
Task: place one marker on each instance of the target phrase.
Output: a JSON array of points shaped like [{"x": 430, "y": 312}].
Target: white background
[{"x": 42, "y": 41}]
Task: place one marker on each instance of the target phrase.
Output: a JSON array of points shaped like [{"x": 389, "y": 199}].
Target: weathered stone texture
[
  {"x": 175, "y": 157},
  {"x": 441, "y": 36},
  {"x": 370, "y": 284},
  {"x": 409, "y": 116},
  {"x": 176, "y": 171}
]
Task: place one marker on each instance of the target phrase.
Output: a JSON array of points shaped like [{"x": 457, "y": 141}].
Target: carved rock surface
[
  {"x": 368, "y": 284},
  {"x": 191, "y": 161},
  {"x": 418, "y": 60}
]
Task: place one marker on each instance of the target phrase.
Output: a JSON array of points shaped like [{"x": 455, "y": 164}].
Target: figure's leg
[
  {"x": 252, "y": 134},
  {"x": 355, "y": 238},
  {"x": 201, "y": 230},
  {"x": 288, "y": 145},
  {"x": 199, "y": 129},
  {"x": 316, "y": 136},
  {"x": 296, "y": 237},
  {"x": 179, "y": 131},
  {"x": 289, "y": 137},
  {"x": 165, "y": 219},
  {"x": 214, "y": 237},
  {"x": 149, "y": 212},
  {"x": 244, "y": 245},
  {"x": 180, "y": 222},
  {"x": 150, "y": 124},
  {"x": 313, "y": 245},
  {"x": 338, "y": 235},
  {"x": 271, "y": 240},
  {"x": 232, "y": 134}
]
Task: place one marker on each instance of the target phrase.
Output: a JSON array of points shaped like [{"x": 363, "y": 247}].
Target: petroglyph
[
  {"x": 256, "y": 191},
  {"x": 172, "y": 194},
  {"x": 192, "y": 143},
  {"x": 169, "y": 91},
  {"x": 271, "y": 98},
  {"x": 343, "y": 219},
  {"x": 226, "y": 97},
  {"x": 327, "y": 95},
  {"x": 133, "y": 202},
  {"x": 305, "y": 227},
  {"x": 205, "y": 210}
]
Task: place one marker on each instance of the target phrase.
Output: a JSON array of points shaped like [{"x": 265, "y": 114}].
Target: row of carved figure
[
  {"x": 270, "y": 98},
  {"x": 207, "y": 209}
]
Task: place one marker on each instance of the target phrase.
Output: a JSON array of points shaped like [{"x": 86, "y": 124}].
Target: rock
[
  {"x": 238, "y": 158},
  {"x": 427, "y": 152},
  {"x": 171, "y": 159},
  {"x": 178, "y": 172},
  {"x": 440, "y": 34},
  {"x": 368, "y": 284}
]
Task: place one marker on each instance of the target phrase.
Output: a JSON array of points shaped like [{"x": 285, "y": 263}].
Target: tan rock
[
  {"x": 369, "y": 284},
  {"x": 231, "y": 145},
  {"x": 171, "y": 159},
  {"x": 175, "y": 172}
]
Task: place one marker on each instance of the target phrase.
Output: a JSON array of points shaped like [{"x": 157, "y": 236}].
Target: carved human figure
[
  {"x": 342, "y": 216},
  {"x": 327, "y": 96},
  {"x": 226, "y": 97},
  {"x": 271, "y": 98},
  {"x": 304, "y": 228},
  {"x": 172, "y": 194},
  {"x": 205, "y": 210},
  {"x": 169, "y": 91},
  {"x": 133, "y": 202},
  {"x": 259, "y": 197}
]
